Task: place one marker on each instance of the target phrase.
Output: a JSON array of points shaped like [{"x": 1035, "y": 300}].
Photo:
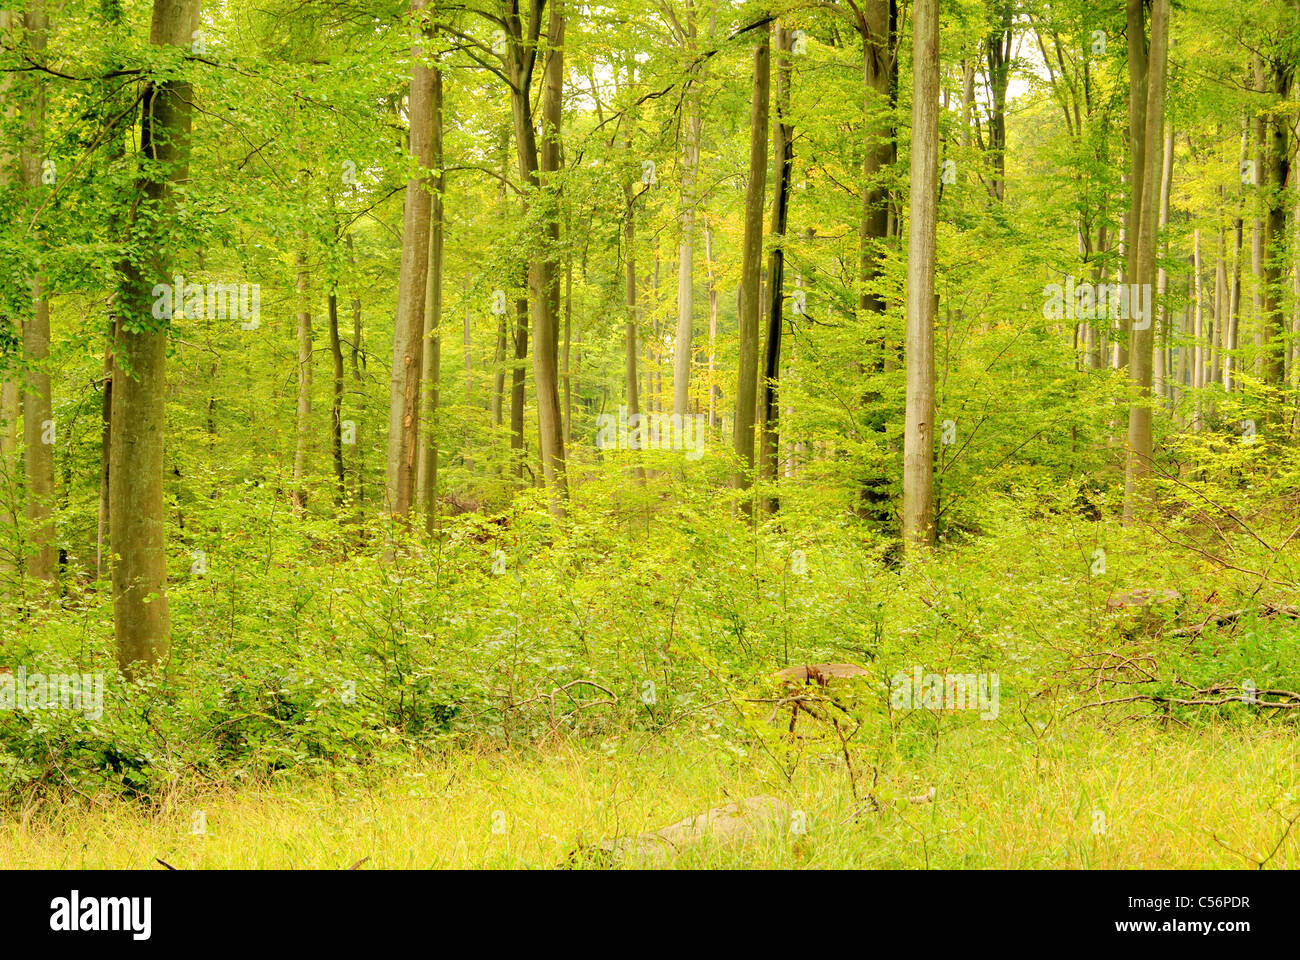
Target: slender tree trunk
[
  {"x": 568, "y": 343},
  {"x": 137, "y": 523},
  {"x": 358, "y": 356},
  {"x": 997, "y": 46},
  {"x": 504, "y": 336},
  {"x": 518, "y": 374},
  {"x": 1184, "y": 354},
  {"x": 106, "y": 452},
  {"x": 1137, "y": 99},
  {"x": 714, "y": 392},
  {"x": 1137, "y": 121},
  {"x": 1138, "y": 491},
  {"x": 783, "y": 164},
  {"x": 1218, "y": 331},
  {"x": 1277, "y": 167},
  {"x": 1096, "y": 332},
  {"x": 358, "y": 363},
  {"x": 878, "y": 62},
  {"x": 918, "y": 430},
  {"x": 1118, "y": 345},
  {"x": 1234, "y": 308},
  {"x": 752, "y": 266},
  {"x": 631, "y": 380},
  {"x": 1234, "y": 297},
  {"x": 682, "y": 346},
  {"x": 539, "y": 174},
  {"x": 1259, "y": 128},
  {"x": 432, "y": 351},
  {"x": 10, "y": 392},
  {"x": 1198, "y": 326},
  {"x": 39, "y": 431},
  {"x": 116, "y": 151},
  {"x": 303, "y": 445},
  {"x": 544, "y": 276},
  {"x": 408, "y": 335},
  {"x": 499, "y": 368},
  {"x": 1161, "y": 374},
  {"x": 336, "y": 403},
  {"x": 1294, "y": 374},
  {"x": 654, "y": 365}
]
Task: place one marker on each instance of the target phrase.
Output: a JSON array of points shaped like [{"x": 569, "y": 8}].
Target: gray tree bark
[
  {"x": 432, "y": 352},
  {"x": 1138, "y": 489},
  {"x": 408, "y": 334},
  {"x": 141, "y": 619},
  {"x": 38, "y": 416},
  {"x": 752, "y": 266},
  {"x": 783, "y": 164},
  {"x": 918, "y": 429}
]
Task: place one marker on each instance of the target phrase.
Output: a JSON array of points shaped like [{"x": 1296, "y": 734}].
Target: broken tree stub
[
  {"x": 1141, "y": 609},
  {"x": 820, "y": 673}
]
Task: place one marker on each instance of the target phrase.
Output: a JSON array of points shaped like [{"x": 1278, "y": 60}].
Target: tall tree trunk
[
  {"x": 408, "y": 334},
  {"x": 432, "y": 354},
  {"x": 1234, "y": 295},
  {"x": 499, "y": 374},
  {"x": 544, "y": 277},
  {"x": 918, "y": 430},
  {"x": 106, "y": 452},
  {"x": 1198, "y": 323},
  {"x": 1277, "y": 165},
  {"x": 1160, "y": 377},
  {"x": 714, "y": 392},
  {"x": 1184, "y": 353},
  {"x": 1259, "y": 130},
  {"x": 1217, "y": 331},
  {"x": 38, "y": 416},
  {"x": 875, "y": 27},
  {"x": 518, "y": 375},
  {"x": 997, "y": 46},
  {"x": 137, "y": 524},
  {"x": 568, "y": 343},
  {"x": 504, "y": 334},
  {"x": 358, "y": 355},
  {"x": 116, "y": 152},
  {"x": 10, "y": 392},
  {"x": 1138, "y": 491},
  {"x": 783, "y": 164},
  {"x": 1137, "y": 105},
  {"x": 631, "y": 379},
  {"x": 682, "y": 346},
  {"x": 303, "y": 443},
  {"x": 1293, "y": 376},
  {"x": 539, "y": 175},
  {"x": 336, "y": 401},
  {"x": 752, "y": 266}
]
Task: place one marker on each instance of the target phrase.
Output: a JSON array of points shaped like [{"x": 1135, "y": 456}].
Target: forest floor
[
  {"x": 438, "y": 711},
  {"x": 1081, "y": 797}
]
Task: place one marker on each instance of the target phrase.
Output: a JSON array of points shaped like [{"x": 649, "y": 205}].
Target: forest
[{"x": 715, "y": 434}]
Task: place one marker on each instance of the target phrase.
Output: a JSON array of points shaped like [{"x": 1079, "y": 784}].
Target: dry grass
[{"x": 1002, "y": 800}]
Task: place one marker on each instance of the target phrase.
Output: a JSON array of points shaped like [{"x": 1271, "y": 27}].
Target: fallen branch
[
  {"x": 1232, "y": 616},
  {"x": 1292, "y": 702}
]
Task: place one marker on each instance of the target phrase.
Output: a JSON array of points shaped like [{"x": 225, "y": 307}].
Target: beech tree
[
  {"x": 408, "y": 336},
  {"x": 751, "y": 263},
  {"x": 918, "y": 436},
  {"x": 432, "y": 350},
  {"x": 138, "y": 533},
  {"x": 39, "y": 428},
  {"x": 783, "y": 163},
  {"x": 1142, "y": 335}
]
